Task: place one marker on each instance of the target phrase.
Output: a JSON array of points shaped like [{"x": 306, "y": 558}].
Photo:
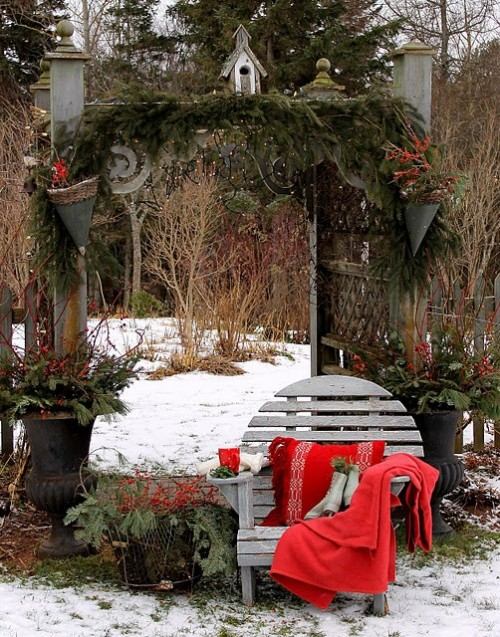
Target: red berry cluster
[
  {"x": 143, "y": 492},
  {"x": 60, "y": 174}
]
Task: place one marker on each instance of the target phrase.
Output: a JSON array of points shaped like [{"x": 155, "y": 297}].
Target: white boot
[
  {"x": 332, "y": 501},
  {"x": 251, "y": 461},
  {"x": 352, "y": 484}
]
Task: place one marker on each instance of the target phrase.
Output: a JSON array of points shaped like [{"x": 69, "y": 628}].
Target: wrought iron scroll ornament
[
  {"x": 235, "y": 162},
  {"x": 127, "y": 171}
]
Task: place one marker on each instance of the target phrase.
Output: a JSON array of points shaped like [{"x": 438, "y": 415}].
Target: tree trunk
[
  {"x": 126, "y": 275},
  {"x": 135, "y": 233},
  {"x": 445, "y": 41}
]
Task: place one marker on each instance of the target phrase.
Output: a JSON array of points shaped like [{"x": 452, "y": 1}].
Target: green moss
[
  {"x": 78, "y": 572},
  {"x": 469, "y": 543}
]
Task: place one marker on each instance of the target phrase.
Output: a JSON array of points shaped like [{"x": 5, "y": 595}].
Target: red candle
[{"x": 230, "y": 458}]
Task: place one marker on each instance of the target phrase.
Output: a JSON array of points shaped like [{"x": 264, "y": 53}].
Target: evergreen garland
[
  {"x": 55, "y": 253},
  {"x": 352, "y": 132}
]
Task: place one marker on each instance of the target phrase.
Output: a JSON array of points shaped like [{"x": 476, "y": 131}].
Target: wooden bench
[{"x": 324, "y": 409}]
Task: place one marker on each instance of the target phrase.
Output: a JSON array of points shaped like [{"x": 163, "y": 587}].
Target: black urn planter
[
  {"x": 438, "y": 430},
  {"x": 59, "y": 449}
]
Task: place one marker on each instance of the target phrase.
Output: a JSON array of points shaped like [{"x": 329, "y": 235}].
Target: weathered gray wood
[
  {"x": 262, "y": 546},
  {"x": 401, "y": 437},
  {"x": 333, "y": 386},
  {"x": 29, "y": 317},
  {"x": 263, "y": 497},
  {"x": 380, "y": 604},
  {"x": 7, "y": 433},
  {"x": 5, "y": 320},
  {"x": 245, "y": 505},
  {"x": 260, "y": 533},
  {"x": 311, "y": 206},
  {"x": 258, "y": 559},
  {"x": 230, "y": 492},
  {"x": 67, "y": 92},
  {"x": 390, "y": 449},
  {"x": 247, "y": 585},
  {"x": 263, "y": 482},
  {"x": 261, "y": 510},
  {"x": 335, "y": 406},
  {"x": 334, "y": 422},
  {"x": 413, "y": 77}
]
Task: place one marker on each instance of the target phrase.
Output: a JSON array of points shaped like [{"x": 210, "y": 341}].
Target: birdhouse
[{"x": 243, "y": 71}]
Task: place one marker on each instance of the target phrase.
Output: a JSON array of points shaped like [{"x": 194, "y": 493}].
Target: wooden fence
[
  {"x": 479, "y": 308},
  {"x": 10, "y": 316}
]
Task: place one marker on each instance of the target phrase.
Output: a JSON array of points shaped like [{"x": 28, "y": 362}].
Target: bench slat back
[{"x": 335, "y": 410}]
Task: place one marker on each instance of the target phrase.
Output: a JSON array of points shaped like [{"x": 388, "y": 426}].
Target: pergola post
[
  {"x": 67, "y": 94},
  {"x": 413, "y": 82},
  {"x": 41, "y": 89}
]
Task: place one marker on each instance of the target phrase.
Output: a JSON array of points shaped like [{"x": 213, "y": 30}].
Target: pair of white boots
[{"x": 340, "y": 492}]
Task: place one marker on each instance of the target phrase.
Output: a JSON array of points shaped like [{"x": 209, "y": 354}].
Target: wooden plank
[
  {"x": 390, "y": 449},
  {"x": 333, "y": 386},
  {"x": 401, "y": 437},
  {"x": 29, "y": 319},
  {"x": 262, "y": 559},
  {"x": 263, "y": 482},
  {"x": 261, "y": 510},
  {"x": 264, "y": 497},
  {"x": 334, "y": 422},
  {"x": 336, "y": 406},
  {"x": 333, "y": 370},
  {"x": 252, "y": 548},
  {"x": 5, "y": 320},
  {"x": 260, "y": 533}
]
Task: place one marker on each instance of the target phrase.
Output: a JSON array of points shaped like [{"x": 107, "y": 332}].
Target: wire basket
[
  {"x": 435, "y": 196},
  {"x": 160, "y": 560},
  {"x": 75, "y": 193}
]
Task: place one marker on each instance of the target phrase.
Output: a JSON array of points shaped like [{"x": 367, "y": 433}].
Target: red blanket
[{"x": 356, "y": 550}]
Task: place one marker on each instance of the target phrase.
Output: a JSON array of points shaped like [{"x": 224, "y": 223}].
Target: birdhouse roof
[{"x": 244, "y": 33}]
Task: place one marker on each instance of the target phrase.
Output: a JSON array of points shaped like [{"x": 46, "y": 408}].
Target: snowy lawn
[{"x": 177, "y": 422}]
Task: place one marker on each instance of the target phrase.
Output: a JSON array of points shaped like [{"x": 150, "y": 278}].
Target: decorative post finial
[
  {"x": 322, "y": 87},
  {"x": 65, "y": 30}
]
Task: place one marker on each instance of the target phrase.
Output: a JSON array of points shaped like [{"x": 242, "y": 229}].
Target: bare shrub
[
  {"x": 178, "y": 239},
  {"x": 476, "y": 218},
  {"x": 260, "y": 280},
  {"x": 14, "y": 244},
  {"x": 180, "y": 363},
  {"x": 286, "y": 312},
  {"x": 233, "y": 296}
]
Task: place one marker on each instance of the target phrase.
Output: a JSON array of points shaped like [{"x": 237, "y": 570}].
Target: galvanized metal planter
[
  {"x": 418, "y": 218},
  {"x": 76, "y": 218}
]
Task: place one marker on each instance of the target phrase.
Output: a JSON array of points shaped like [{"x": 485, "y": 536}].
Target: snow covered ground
[{"x": 175, "y": 423}]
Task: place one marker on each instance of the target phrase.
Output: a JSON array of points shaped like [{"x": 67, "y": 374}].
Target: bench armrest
[
  {"x": 398, "y": 484},
  {"x": 238, "y": 491}
]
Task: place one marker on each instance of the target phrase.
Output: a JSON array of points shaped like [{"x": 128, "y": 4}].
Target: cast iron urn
[
  {"x": 59, "y": 450},
  {"x": 438, "y": 430}
]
